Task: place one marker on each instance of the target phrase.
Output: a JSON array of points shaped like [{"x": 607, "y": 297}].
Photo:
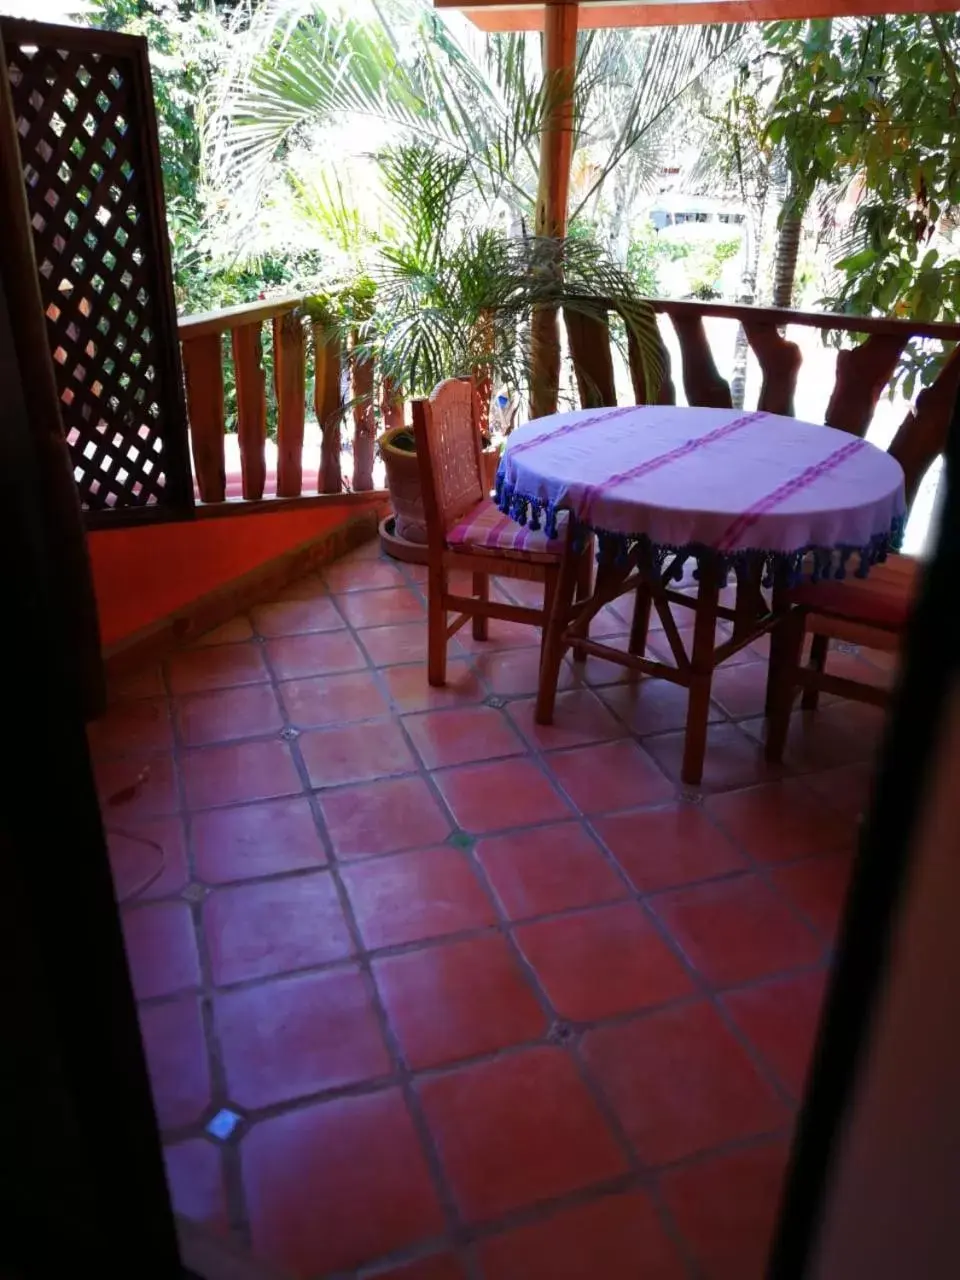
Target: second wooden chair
[{"x": 467, "y": 532}]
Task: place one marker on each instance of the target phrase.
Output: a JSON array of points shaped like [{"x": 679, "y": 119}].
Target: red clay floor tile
[
  {"x": 296, "y": 1036},
  {"x": 356, "y": 753},
  {"x": 135, "y": 786},
  {"x": 132, "y": 724},
  {"x": 614, "y": 1238},
  {"x": 222, "y": 714},
  {"x": 662, "y": 848},
  {"x": 176, "y": 1049},
  {"x": 779, "y": 821},
  {"x": 161, "y": 949},
  {"x": 546, "y": 869},
  {"x": 818, "y": 888},
  {"x": 383, "y": 817},
  {"x": 362, "y": 575},
  {"x": 492, "y": 797},
  {"x": 195, "y": 1177},
  {"x": 439, "y": 1266},
  {"x": 649, "y": 706},
  {"x": 732, "y": 758},
  {"x": 412, "y": 896},
  {"x": 411, "y": 691},
  {"x": 321, "y": 654},
  {"x": 457, "y": 1001},
  {"x": 310, "y": 587},
  {"x": 402, "y": 642},
  {"x": 842, "y": 733},
  {"x": 256, "y": 930},
  {"x": 296, "y": 617},
  {"x": 741, "y": 689},
  {"x": 579, "y": 717},
  {"x": 463, "y": 736},
  {"x": 242, "y": 771},
  {"x": 255, "y": 840},
  {"x": 847, "y": 789},
  {"x": 141, "y": 847},
  {"x": 611, "y": 775},
  {"x": 333, "y": 700},
  {"x": 681, "y": 1083},
  {"x": 140, "y": 682},
  {"x": 501, "y": 634},
  {"x": 726, "y": 1209},
  {"x": 382, "y": 608},
  {"x": 510, "y": 672},
  {"x": 216, "y": 667},
  {"x": 517, "y": 1130},
  {"x": 780, "y": 1019},
  {"x": 235, "y": 631},
  {"x": 735, "y": 930},
  {"x": 330, "y": 1187},
  {"x": 602, "y": 962}
]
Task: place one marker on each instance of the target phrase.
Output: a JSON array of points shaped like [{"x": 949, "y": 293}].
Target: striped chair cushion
[
  {"x": 884, "y": 598},
  {"x": 485, "y": 527}
]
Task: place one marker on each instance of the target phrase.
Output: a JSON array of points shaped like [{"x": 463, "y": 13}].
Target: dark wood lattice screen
[{"x": 91, "y": 168}]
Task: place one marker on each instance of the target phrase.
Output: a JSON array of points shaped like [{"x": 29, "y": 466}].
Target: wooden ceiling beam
[{"x": 528, "y": 15}]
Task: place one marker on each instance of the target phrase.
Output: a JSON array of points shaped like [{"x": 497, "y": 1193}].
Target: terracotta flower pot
[{"x": 398, "y": 450}]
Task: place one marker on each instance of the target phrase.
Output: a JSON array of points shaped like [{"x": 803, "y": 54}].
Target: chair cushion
[
  {"x": 884, "y": 598},
  {"x": 486, "y": 528}
]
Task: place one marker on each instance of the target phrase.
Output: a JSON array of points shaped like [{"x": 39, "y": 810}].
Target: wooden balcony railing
[
  {"x": 862, "y": 374},
  {"x": 296, "y": 342}
]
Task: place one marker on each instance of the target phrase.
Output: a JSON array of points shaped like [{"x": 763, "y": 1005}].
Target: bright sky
[{"x": 44, "y": 10}]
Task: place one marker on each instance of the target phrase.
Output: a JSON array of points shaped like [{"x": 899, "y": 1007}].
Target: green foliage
[
  {"x": 642, "y": 261},
  {"x": 870, "y": 105}
]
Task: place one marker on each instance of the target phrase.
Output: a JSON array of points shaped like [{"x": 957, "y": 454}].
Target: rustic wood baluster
[
  {"x": 779, "y": 361},
  {"x": 589, "y": 341},
  {"x": 364, "y": 426},
  {"x": 391, "y": 403},
  {"x": 251, "y": 407},
  {"x": 290, "y": 375},
  {"x": 923, "y": 433},
  {"x": 862, "y": 375},
  {"x": 326, "y": 403},
  {"x": 203, "y": 376},
  {"x": 668, "y": 392},
  {"x": 701, "y": 378}
]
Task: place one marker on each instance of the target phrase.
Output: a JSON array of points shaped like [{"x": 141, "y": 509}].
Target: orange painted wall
[{"x": 143, "y": 574}]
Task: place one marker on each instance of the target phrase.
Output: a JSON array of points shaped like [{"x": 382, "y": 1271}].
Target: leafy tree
[{"x": 870, "y": 106}]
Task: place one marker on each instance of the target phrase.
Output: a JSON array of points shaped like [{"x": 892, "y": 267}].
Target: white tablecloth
[{"x": 708, "y": 480}]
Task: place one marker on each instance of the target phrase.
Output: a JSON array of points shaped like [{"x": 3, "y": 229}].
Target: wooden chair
[
  {"x": 467, "y": 532},
  {"x": 871, "y": 611}
]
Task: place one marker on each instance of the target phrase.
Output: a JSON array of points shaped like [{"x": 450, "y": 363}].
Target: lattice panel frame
[{"x": 88, "y": 143}]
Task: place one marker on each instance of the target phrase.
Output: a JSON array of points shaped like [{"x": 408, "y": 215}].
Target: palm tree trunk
[
  {"x": 788, "y": 250},
  {"x": 748, "y": 295}
]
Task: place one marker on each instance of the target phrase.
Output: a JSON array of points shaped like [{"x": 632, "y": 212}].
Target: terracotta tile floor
[{"x": 430, "y": 992}]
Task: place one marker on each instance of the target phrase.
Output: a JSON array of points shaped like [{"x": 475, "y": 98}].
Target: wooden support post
[
  {"x": 290, "y": 378},
  {"x": 556, "y": 155},
  {"x": 364, "y": 427},
  {"x": 326, "y": 403},
  {"x": 203, "y": 376},
  {"x": 251, "y": 407}
]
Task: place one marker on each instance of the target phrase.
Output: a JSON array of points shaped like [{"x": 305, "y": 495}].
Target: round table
[{"x": 765, "y": 497}]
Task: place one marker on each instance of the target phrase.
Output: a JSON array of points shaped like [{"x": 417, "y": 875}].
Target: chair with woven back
[
  {"x": 871, "y": 611},
  {"x": 467, "y": 532}
]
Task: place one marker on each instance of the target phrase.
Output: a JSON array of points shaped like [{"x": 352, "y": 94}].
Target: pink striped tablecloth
[{"x": 708, "y": 480}]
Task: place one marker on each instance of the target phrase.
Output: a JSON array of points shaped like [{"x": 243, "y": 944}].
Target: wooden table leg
[
  {"x": 553, "y": 645},
  {"x": 701, "y": 674}
]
